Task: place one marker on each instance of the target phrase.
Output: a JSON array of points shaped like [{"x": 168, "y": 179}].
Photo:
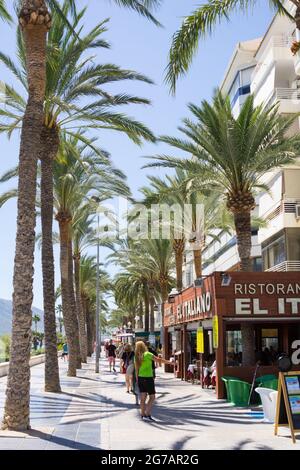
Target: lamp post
[{"x": 98, "y": 323}]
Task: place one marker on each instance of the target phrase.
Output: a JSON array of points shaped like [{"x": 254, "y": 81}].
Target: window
[
  {"x": 240, "y": 85},
  {"x": 269, "y": 346},
  {"x": 274, "y": 253},
  {"x": 233, "y": 347},
  {"x": 257, "y": 264},
  {"x": 293, "y": 240},
  {"x": 188, "y": 278}
]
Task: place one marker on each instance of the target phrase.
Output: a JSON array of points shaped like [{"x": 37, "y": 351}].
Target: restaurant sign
[
  {"x": 267, "y": 298},
  {"x": 194, "y": 307}
]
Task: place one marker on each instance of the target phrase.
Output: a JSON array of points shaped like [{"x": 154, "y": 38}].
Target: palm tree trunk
[
  {"x": 49, "y": 148},
  {"x": 80, "y": 312},
  {"x": 16, "y": 410},
  {"x": 152, "y": 319},
  {"x": 70, "y": 320},
  {"x": 242, "y": 222},
  {"x": 178, "y": 246},
  {"x": 146, "y": 306},
  {"x": 72, "y": 299},
  {"x": 88, "y": 326},
  {"x": 198, "y": 263}
]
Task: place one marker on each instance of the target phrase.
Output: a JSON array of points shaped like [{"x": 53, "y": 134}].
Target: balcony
[
  {"x": 286, "y": 266},
  {"x": 275, "y": 51},
  {"x": 287, "y": 98}
]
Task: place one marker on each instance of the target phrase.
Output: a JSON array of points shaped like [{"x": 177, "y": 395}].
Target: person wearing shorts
[
  {"x": 65, "y": 353},
  {"x": 145, "y": 378},
  {"x": 127, "y": 366},
  {"x": 111, "y": 355}
]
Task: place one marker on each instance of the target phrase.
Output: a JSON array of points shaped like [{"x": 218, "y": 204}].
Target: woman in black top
[{"x": 127, "y": 364}]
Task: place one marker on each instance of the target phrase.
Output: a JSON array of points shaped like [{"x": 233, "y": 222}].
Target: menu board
[
  {"x": 292, "y": 383},
  {"x": 288, "y": 402}
]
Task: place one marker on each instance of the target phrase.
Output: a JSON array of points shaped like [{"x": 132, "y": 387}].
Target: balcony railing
[
  {"x": 283, "y": 94},
  {"x": 286, "y": 266},
  {"x": 281, "y": 41}
]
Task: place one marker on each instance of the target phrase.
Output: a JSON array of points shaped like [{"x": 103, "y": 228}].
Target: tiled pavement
[{"x": 95, "y": 412}]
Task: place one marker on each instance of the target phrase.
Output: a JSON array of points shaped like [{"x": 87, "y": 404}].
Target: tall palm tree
[
  {"x": 202, "y": 21},
  {"x": 82, "y": 232},
  {"x": 146, "y": 275},
  {"x": 231, "y": 155},
  {"x": 84, "y": 236},
  {"x": 88, "y": 275},
  {"x": 35, "y": 22},
  {"x": 35, "y": 320},
  {"x": 78, "y": 173},
  {"x": 69, "y": 79}
]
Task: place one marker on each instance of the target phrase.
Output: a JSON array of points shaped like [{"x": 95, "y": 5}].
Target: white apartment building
[{"x": 266, "y": 68}]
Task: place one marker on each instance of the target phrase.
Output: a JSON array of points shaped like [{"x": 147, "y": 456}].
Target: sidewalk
[{"x": 95, "y": 412}]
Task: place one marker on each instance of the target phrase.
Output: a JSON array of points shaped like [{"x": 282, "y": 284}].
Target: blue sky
[{"x": 136, "y": 44}]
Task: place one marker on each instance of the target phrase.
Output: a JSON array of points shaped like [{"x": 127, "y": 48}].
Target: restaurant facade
[{"x": 265, "y": 306}]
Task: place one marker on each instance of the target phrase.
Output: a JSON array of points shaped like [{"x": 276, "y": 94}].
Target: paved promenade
[{"x": 95, "y": 412}]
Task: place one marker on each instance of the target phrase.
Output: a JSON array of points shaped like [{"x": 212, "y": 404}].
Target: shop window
[
  {"x": 233, "y": 347},
  {"x": 269, "y": 345}
]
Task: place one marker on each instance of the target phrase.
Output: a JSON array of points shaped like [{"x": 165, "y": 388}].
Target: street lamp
[{"x": 98, "y": 325}]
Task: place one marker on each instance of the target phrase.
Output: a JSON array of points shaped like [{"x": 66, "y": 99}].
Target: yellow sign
[
  {"x": 215, "y": 332},
  {"x": 200, "y": 340}
]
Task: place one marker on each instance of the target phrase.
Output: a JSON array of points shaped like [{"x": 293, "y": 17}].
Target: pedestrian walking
[
  {"x": 65, "y": 353},
  {"x": 145, "y": 379},
  {"x": 111, "y": 355},
  {"x": 127, "y": 365},
  {"x": 119, "y": 353}
]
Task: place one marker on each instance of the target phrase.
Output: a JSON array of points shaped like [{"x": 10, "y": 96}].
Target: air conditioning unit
[{"x": 297, "y": 211}]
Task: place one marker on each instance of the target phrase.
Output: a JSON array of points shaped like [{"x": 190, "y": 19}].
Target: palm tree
[
  {"x": 88, "y": 273},
  {"x": 146, "y": 275},
  {"x": 36, "y": 319},
  {"x": 61, "y": 112},
  {"x": 191, "y": 224},
  {"x": 231, "y": 155},
  {"x": 201, "y": 23},
  {"x": 35, "y": 22},
  {"x": 84, "y": 236},
  {"x": 78, "y": 173},
  {"x": 58, "y": 310}
]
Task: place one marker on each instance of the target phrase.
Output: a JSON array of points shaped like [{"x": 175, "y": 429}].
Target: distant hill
[{"x": 6, "y": 314}]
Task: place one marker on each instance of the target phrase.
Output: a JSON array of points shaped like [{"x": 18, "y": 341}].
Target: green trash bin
[
  {"x": 265, "y": 378},
  {"x": 271, "y": 383},
  {"x": 239, "y": 392},
  {"x": 225, "y": 379}
]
